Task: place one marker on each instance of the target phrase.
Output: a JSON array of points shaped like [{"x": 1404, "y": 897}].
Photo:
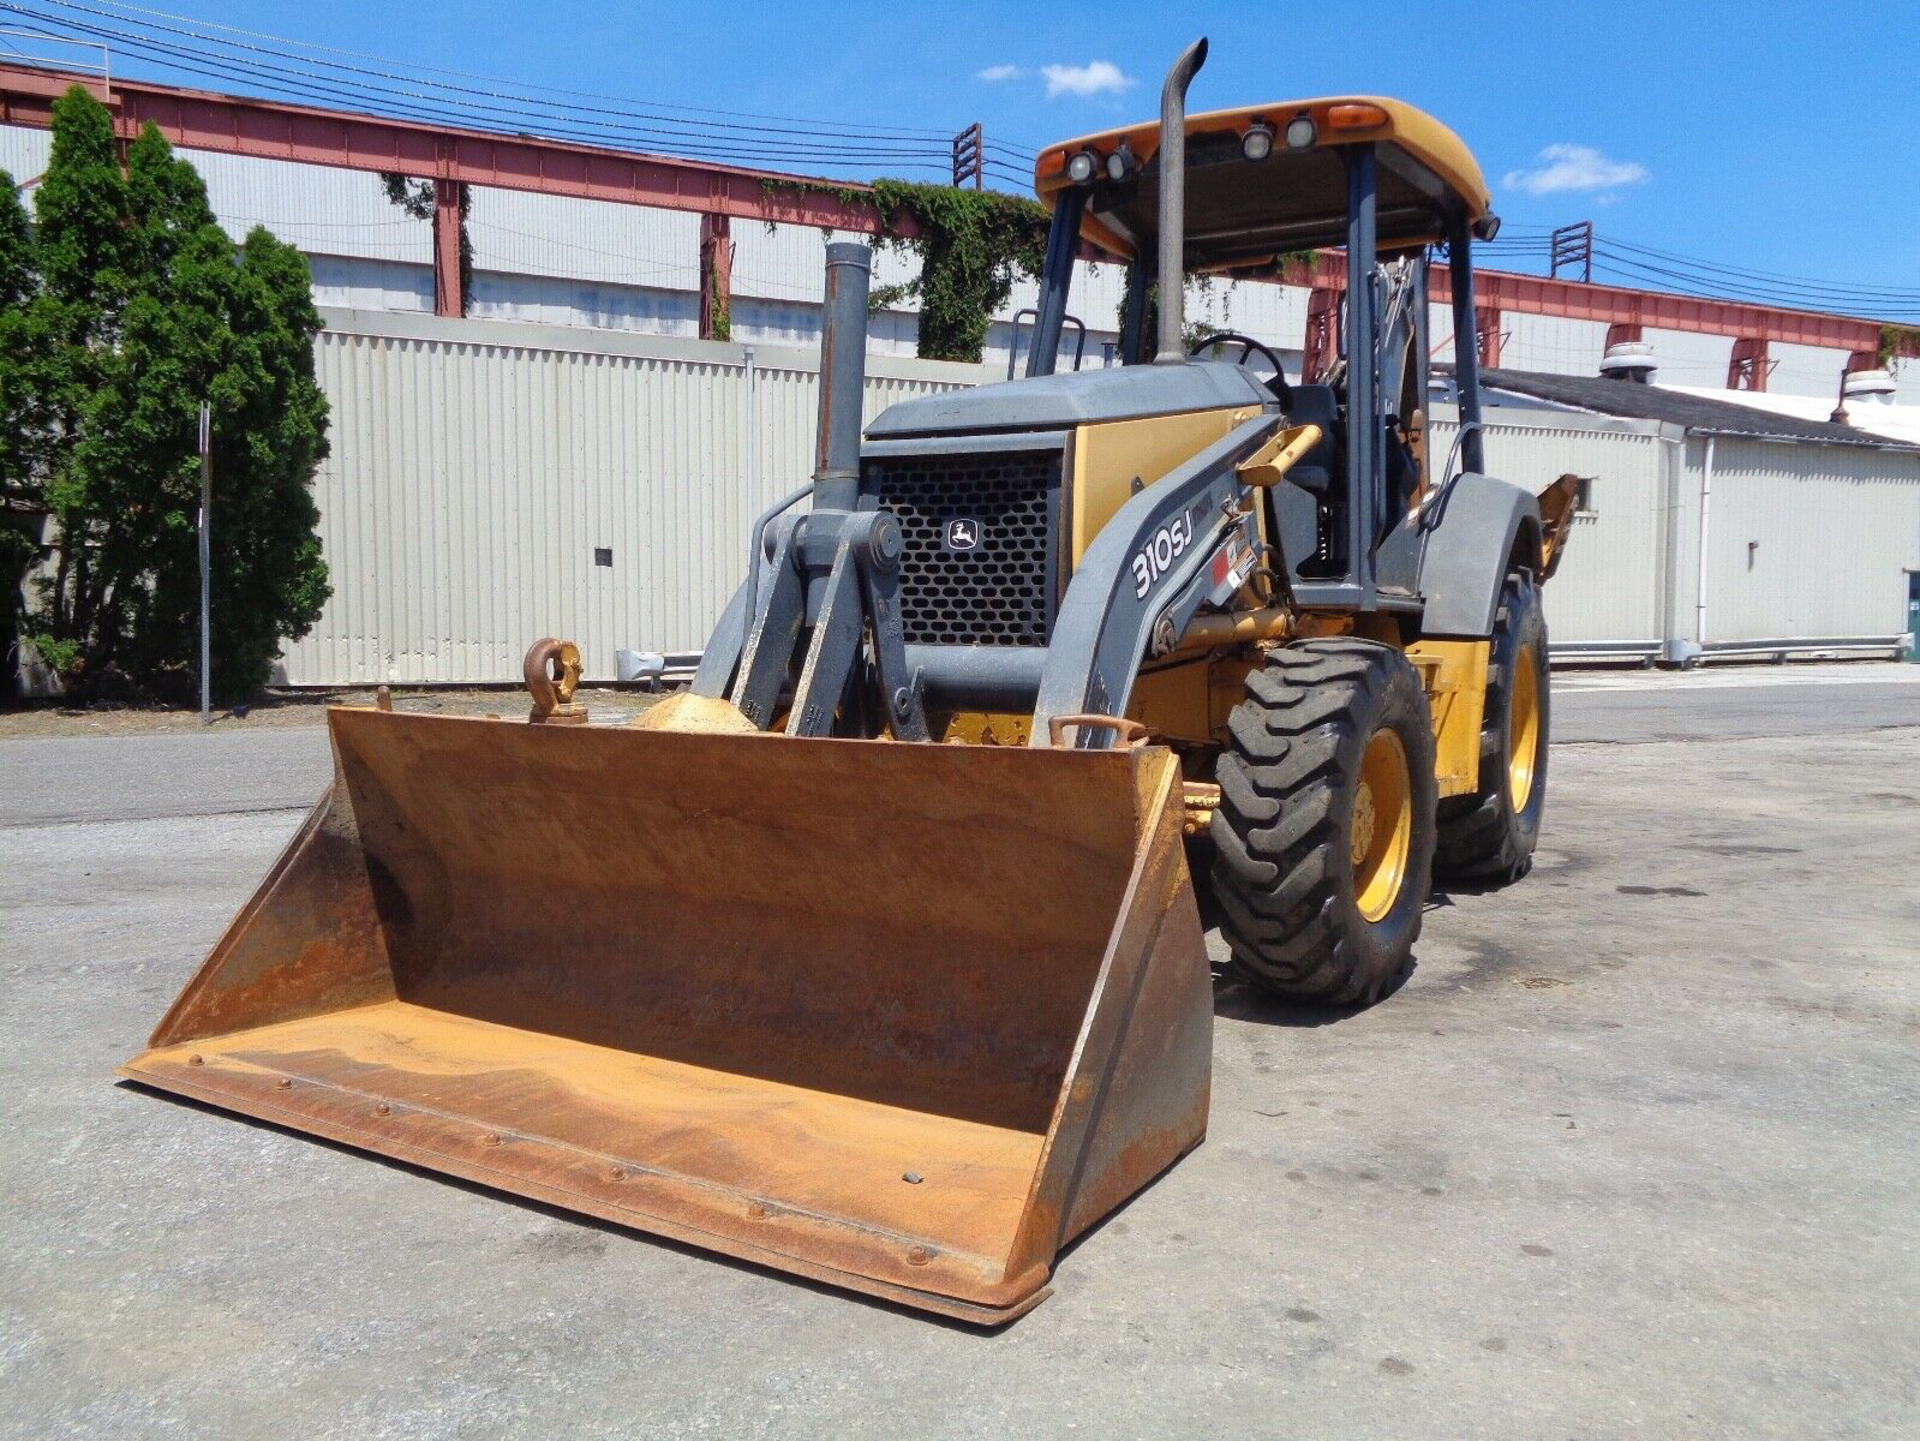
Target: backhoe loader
[{"x": 877, "y": 955}]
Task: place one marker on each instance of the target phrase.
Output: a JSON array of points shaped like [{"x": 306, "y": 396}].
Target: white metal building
[{"x": 606, "y": 266}]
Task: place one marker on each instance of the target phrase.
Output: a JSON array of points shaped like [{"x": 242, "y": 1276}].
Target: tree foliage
[{"x": 134, "y": 308}]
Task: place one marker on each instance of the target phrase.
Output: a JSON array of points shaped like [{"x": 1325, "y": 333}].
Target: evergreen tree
[
  {"x": 147, "y": 309},
  {"x": 20, "y": 422}
]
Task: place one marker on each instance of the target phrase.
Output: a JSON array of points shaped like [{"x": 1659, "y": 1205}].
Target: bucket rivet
[
  {"x": 284, "y": 1084},
  {"x": 491, "y": 1139},
  {"x": 757, "y": 1211},
  {"x": 382, "y": 1109},
  {"x": 919, "y": 1256},
  {"x": 912, "y": 1178},
  {"x": 196, "y": 1060}
]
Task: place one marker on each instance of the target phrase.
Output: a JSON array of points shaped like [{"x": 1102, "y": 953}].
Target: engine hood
[{"x": 1060, "y": 402}]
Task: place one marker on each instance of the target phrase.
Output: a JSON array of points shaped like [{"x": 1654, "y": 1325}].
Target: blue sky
[{"x": 1772, "y": 136}]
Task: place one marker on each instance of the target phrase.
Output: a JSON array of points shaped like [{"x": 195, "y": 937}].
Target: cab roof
[{"x": 1245, "y": 212}]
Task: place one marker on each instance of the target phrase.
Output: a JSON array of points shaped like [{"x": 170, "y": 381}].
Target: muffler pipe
[
  {"x": 843, "y": 376},
  {"x": 1173, "y": 202}
]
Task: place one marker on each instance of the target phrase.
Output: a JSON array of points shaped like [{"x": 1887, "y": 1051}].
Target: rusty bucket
[{"x": 903, "y": 1018}]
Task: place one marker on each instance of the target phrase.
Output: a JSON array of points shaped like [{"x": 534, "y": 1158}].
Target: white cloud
[
  {"x": 1563, "y": 168},
  {"x": 1000, "y": 72},
  {"x": 1096, "y": 77}
]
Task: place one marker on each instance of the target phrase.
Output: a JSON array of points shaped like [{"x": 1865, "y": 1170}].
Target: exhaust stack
[
  {"x": 1173, "y": 202},
  {"x": 843, "y": 376}
]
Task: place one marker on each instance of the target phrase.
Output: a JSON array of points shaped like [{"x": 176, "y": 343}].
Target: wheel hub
[
  {"x": 1523, "y": 728},
  {"x": 1363, "y": 822},
  {"x": 1382, "y": 829}
]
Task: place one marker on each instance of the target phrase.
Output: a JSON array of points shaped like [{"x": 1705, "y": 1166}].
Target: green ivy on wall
[
  {"x": 1898, "y": 341},
  {"x": 972, "y": 245}
]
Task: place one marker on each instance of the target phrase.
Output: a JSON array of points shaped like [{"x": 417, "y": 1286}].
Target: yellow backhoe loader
[{"x": 877, "y": 955}]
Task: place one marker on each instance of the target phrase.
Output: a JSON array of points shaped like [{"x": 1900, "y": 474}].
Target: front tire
[
  {"x": 1324, "y": 835},
  {"x": 1488, "y": 838}
]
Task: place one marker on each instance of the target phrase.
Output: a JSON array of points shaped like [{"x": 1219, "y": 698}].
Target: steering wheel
[{"x": 1248, "y": 345}]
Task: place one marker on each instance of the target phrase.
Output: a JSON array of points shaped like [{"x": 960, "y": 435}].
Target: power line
[
  {"x": 469, "y": 75},
  {"x": 412, "y": 104},
  {"x": 1694, "y": 262},
  {"x": 584, "y": 125}
]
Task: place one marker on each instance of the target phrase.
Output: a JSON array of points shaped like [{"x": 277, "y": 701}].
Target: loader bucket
[{"x": 902, "y": 1018}]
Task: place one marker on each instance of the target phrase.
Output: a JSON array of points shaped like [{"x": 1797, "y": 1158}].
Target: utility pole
[
  {"x": 969, "y": 156},
  {"x": 206, "y": 564},
  {"x": 1573, "y": 248}
]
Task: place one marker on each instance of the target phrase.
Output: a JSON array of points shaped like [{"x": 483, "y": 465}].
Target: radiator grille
[{"x": 1002, "y": 591}]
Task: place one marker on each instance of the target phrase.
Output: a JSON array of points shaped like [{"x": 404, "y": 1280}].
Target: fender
[{"x": 1474, "y": 527}]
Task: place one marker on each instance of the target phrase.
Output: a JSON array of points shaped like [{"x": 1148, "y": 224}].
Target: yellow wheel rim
[
  {"x": 1523, "y": 729},
  {"x": 1382, "y": 825}
]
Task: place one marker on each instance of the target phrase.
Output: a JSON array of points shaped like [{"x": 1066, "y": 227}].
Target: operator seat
[{"x": 1322, "y": 471}]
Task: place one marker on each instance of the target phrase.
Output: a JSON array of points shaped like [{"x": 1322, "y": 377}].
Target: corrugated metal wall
[
  {"x": 1606, "y": 596},
  {"x": 476, "y": 469},
  {"x": 1807, "y": 542}
]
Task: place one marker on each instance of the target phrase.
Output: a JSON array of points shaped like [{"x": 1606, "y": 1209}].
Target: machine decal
[
  {"x": 963, "y": 534},
  {"x": 1157, "y": 556}
]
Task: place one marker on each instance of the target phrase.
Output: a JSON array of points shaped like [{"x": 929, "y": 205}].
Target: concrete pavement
[{"x": 1631, "y": 1154}]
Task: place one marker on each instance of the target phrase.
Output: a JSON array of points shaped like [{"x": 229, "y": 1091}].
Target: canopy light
[
  {"x": 1355, "y": 117},
  {"x": 1257, "y": 142},
  {"x": 1120, "y": 164},
  {"x": 1301, "y": 132},
  {"x": 1082, "y": 167}
]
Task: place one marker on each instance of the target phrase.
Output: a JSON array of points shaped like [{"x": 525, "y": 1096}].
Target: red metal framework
[
  {"x": 270, "y": 130},
  {"x": 1323, "y": 319},
  {"x": 267, "y": 129},
  {"x": 1486, "y": 327},
  {"x": 1749, "y": 365}
]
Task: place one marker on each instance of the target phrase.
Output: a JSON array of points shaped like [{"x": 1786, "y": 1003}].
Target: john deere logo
[{"x": 963, "y": 534}]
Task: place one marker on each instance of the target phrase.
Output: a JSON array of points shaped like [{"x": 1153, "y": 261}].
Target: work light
[
  {"x": 1081, "y": 168},
  {"x": 1257, "y": 142},
  {"x": 1120, "y": 163}
]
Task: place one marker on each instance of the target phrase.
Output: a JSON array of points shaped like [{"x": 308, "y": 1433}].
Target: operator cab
[{"x": 1272, "y": 189}]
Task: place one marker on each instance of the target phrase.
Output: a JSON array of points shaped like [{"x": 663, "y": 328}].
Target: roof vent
[
  {"x": 1629, "y": 360},
  {"x": 1867, "y": 387}
]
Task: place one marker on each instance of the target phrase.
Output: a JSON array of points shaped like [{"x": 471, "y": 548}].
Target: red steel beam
[
  {"x": 270, "y": 130},
  {"x": 448, "y": 299},
  {"x": 716, "y": 276},
  {"x": 1510, "y": 293},
  {"x": 1616, "y": 305}
]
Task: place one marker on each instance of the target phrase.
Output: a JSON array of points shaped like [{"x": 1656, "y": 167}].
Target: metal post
[
  {"x": 1056, "y": 275},
  {"x": 843, "y": 375},
  {"x": 716, "y": 276},
  {"x": 449, "y": 297},
  {"x": 1466, "y": 341},
  {"x": 1363, "y": 366},
  {"x": 1700, "y": 579},
  {"x": 206, "y": 563}
]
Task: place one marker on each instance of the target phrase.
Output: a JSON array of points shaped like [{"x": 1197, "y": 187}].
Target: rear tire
[
  {"x": 1488, "y": 838},
  {"x": 1324, "y": 835}
]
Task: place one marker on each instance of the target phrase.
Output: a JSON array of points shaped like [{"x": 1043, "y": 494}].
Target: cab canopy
[{"x": 1266, "y": 180}]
